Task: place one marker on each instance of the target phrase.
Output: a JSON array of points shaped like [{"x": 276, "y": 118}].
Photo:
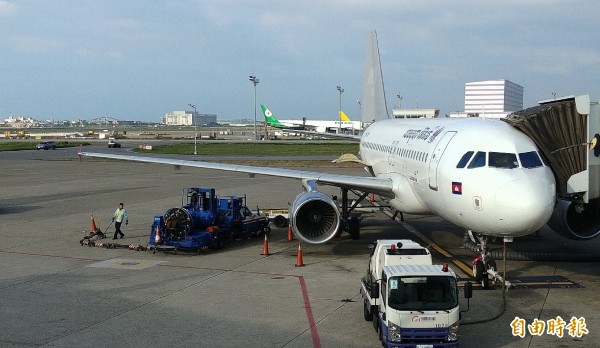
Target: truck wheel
[
  {"x": 375, "y": 319},
  {"x": 367, "y": 315},
  {"x": 280, "y": 221},
  {"x": 218, "y": 243}
]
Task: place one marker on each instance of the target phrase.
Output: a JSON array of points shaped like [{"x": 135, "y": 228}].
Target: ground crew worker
[{"x": 120, "y": 214}]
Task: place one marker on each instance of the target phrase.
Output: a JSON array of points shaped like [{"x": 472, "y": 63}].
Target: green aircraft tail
[{"x": 270, "y": 119}]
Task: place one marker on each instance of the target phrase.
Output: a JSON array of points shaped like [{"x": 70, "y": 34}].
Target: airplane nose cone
[{"x": 524, "y": 206}]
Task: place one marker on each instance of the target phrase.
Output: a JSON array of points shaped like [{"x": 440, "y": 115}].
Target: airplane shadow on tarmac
[{"x": 14, "y": 209}]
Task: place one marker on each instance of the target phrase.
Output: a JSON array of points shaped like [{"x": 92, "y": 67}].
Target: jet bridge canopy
[{"x": 566, "y": 131}]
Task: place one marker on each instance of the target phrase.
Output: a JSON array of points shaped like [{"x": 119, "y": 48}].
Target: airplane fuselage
[
  {"x": 324, "y": 126},
  {"x": 481, "y": 174}
]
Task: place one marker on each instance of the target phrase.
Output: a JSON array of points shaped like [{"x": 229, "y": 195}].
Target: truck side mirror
[
  {"x": 468, "y": 290},
  {"x": 374, "y": 290}
]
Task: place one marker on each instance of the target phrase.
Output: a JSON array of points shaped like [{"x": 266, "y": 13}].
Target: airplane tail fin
[
  {"x": 344, "y": 117},
  {"x": 270, "y": 119},
  {"x": 373, "y": 107}
]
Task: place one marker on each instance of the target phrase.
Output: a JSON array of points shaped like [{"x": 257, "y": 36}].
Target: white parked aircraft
[
  {"x": 481, "y": 174},
  {"x": 321, "y": 126}
]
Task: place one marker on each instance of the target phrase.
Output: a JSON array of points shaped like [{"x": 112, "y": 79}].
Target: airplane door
[
  {"x": 392, "y": 154},
  {"x": 438, "y": 151}
]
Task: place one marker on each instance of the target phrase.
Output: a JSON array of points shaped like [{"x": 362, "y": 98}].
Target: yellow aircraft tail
[{"x": 344, "y": 117}]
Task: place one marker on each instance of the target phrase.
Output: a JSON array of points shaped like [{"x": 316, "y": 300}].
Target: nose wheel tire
[
  {"x": 490, "y": 266},
  {"x": 478, "y": 271},
  {"x": 480, "y": 276}
]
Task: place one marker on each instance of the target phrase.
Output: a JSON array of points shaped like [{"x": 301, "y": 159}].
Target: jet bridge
[{"x": 567, "y": 131}]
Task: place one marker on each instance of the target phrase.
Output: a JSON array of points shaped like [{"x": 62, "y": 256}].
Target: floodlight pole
[
  {"x": 359, "y": 115},
  {"x": 255, "y": 81},
  {"x": 341, "y": 90},
  {"x": 195, "y": 133}
]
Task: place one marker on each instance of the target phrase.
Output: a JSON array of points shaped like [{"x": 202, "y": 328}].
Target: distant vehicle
[
  {"x": 45, "y": 145},
  {"x": 113, "y": 143},
  {"x": 279, "y": 217}
]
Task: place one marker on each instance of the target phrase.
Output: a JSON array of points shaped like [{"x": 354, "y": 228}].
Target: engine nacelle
[
  {"x": 575, "y": 220},
  {"x": 314, "y": 217}
]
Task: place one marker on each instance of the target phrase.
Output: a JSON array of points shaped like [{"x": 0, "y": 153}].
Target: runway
[{"x": 56, "y": 293}]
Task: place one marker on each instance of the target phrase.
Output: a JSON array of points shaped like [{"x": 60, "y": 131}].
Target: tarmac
[{"x": 56, "y": 293}]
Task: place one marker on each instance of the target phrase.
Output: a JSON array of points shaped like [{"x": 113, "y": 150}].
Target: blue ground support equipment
[{"x": 206, "y": 221}]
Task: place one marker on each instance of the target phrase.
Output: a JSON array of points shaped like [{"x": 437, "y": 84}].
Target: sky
[{"x": 140, "y": 59}]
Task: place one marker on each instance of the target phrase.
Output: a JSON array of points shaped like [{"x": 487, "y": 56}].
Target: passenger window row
[{"x": 401, "y": 152}]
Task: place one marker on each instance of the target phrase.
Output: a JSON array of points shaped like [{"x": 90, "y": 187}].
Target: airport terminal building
[
  {"x": 415, "y": 113},
  {"x": 492, "y": 98},
  {"x": 186, "y": 118}
]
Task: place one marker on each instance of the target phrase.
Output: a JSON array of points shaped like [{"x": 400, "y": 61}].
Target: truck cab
[{"x": 410, "y": 301}]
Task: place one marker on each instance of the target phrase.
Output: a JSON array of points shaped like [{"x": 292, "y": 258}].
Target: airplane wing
[{"x": 381, "y": 186}]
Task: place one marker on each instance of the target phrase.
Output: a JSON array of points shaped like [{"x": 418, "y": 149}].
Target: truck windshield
[{"x": 423, "y": 293}]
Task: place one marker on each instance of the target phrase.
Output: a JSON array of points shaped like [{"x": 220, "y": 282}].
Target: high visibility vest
[{"x": 120, "y": 214}]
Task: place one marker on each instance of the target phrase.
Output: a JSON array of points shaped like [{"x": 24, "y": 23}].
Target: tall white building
[
  {"x": 492, "y": 98},
  {"x": 185, "y": 118}
]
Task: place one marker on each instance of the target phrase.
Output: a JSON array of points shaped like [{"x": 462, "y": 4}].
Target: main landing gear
[
  {"x": 485, "y": 270},
  {"x": 351, "y": 220}
]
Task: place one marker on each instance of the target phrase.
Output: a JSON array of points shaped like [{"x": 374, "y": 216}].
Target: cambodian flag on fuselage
[{"x": 457, "y": 188}]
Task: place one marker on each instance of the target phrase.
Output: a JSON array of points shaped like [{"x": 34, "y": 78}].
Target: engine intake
[
  {"x": 576, "y": 221},
  {"x": 315, "y": 218}
]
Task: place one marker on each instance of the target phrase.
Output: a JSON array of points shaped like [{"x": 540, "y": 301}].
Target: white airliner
[
  {"x": 320, "y": 126},
  {"x": 481, "y": 174}
]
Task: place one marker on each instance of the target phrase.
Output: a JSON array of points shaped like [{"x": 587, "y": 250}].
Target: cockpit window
[
  {"x": 503, "y": 160},
  {"x": 478, "y": 160},
  {"x": 464, "y": 160},
  {"x": 543, "y": 159},
  {"x": 530, "y": 159}
]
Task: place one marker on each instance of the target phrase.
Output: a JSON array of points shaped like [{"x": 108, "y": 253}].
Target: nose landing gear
[{"x": 485, "y": 270}]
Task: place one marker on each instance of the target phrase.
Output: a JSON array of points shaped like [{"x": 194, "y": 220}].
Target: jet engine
[
  {"x": 576, "y": 220},
  {"x": 315, "y": 218}
]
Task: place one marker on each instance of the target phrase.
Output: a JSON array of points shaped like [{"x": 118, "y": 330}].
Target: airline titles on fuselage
[{"x": 422, "y": 134}]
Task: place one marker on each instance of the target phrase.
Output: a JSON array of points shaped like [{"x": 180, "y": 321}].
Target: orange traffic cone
[
  {"x": 265, "y": 247},
  {"x": 290, "y": 233},
  {"x": 93, "y": 225},
  {"x": 299, "y": 262}
]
